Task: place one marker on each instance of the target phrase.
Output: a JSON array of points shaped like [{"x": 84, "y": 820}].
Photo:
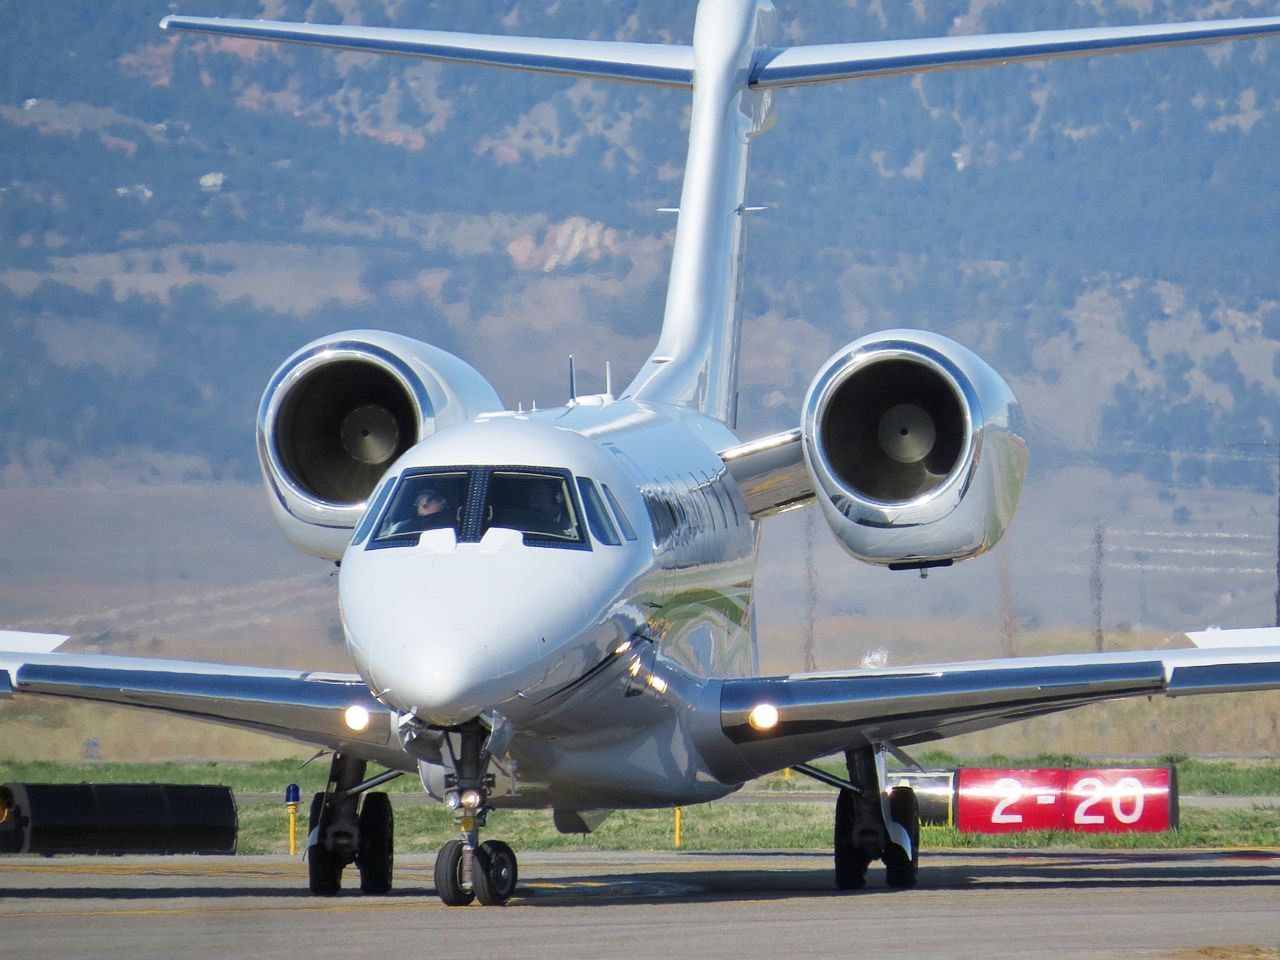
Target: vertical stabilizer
[{"x": 696, "y": 360}]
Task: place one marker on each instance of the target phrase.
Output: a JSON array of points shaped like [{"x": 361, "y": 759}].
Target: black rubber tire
[
  {"x": 324, "y": 867},
  {"x": 495, "y": 874},
  {"x": 376, "y": 856},
  {"x": 448, "y": 876},
  {"x": 901, "y": 871},
  {"x": 851, "y": 863}
]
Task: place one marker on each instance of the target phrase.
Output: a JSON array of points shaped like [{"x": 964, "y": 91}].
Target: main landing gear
[
  {"x": 872, "y": 826},
  {"x": 467, "y": 869},
  {"x": 343, "y": 829}
]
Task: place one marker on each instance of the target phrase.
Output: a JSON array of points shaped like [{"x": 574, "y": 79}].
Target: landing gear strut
[
  {"x": 467, "y": 869},
  {"x": 870, "y": 826},
  {"x": 343, "y": 830}
]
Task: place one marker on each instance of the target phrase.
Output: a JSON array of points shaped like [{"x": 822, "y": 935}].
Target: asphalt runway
[{"x": 983, "y": 904}]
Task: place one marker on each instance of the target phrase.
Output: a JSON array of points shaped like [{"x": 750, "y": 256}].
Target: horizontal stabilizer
[
  {"x": 652, "y": 63},
  {"x": 1214, "y": 637},
  {"x": 825, "y": 63},
  {"x": 16, "y": 641}
]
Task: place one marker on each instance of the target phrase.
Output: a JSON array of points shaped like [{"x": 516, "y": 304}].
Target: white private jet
[{"x": 554, "y": 608}]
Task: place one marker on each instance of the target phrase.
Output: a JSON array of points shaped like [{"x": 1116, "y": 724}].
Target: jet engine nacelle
[
  {"x": 338, "y": 413},
  {"x": 916, "y": 449}
]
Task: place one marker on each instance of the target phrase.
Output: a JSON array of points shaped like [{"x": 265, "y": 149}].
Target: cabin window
[
  {"x": 713, "y": 493},
  {"x": 661, "y": 517}
]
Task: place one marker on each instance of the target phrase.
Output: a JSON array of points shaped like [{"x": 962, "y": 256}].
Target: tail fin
[{"x": 736, "y": 63}]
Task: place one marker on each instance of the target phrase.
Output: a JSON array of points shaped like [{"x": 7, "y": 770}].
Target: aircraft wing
[
  {"x": 818, "y": 713},
  {"x": 304, "y": 706}
]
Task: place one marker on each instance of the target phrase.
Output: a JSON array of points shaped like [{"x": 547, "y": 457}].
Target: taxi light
[
  {"x": 471, "y": 799},
  {"x": 622, "y": 648},
  {"x": 763, "y": 716},
  {"x": 356, "y": 718},
  {"x": 452, "y": 800},
  {"x": 658, "y": 683}
]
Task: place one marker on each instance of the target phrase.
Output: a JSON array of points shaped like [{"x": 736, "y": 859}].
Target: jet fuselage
[{"x": 595, "y": 636}]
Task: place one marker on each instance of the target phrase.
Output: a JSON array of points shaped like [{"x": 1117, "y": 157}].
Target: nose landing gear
[{"x": 467, "y": 869}]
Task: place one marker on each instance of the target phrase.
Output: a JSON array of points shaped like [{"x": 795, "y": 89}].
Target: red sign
[{"x": 1087, "y": 801}]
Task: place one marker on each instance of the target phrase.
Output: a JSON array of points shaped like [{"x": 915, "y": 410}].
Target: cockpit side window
[
  {"x": 424, "y": 502},
  {"x": 597, "y": 516},
  {"x": 371, "y": 514},
  {"x": 624, "y": 521},
  {"x": 541, "y": 506}
]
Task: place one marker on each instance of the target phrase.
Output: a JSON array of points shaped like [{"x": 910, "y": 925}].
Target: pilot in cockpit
[
  {"x": 430, "y": 512},
  {"x": 547, "y": 513}
]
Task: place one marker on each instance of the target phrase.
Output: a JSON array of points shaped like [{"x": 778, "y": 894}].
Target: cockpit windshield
[
  {"x": 540, "y": 503},
  {"x": 533, "y": 503},
  {"x": 428, "y": 502}
]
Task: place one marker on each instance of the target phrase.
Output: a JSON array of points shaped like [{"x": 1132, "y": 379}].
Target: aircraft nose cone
[
  {"x": 445, "y": 665},
  {"x": 447, "y": 675},
  {"x": 452, "y": 636}
]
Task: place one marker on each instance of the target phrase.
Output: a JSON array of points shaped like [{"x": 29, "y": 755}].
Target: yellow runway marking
[
  {"x": 416, "y": 904},
  {"x": 138, "y": 870}
]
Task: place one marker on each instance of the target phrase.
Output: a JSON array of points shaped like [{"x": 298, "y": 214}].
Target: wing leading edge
[
  {"x": 310, "y": 708},
  {"x": 820, "y": 713}
]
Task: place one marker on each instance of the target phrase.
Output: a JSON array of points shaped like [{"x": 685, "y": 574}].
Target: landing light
[
  {"x": 658, "y": 683},
  {"x": 763, "y": 716},
  {"x": 471, "y": 799},
  {"x": 356, "y": 717}
]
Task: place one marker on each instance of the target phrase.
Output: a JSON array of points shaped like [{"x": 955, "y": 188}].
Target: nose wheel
[
  {"x": 495, "y": 874},
  {"x": 466, "y": 869}
]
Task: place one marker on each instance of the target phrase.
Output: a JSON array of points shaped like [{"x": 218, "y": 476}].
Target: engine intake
[
  {"x": 337, "y": 415},
  {"x": 894, "y": 430},
  {"x": 916, "y": 449},
  {"x": 376, "y": 418}
]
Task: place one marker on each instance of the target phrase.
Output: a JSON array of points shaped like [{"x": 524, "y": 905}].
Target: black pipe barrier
[{"x": 117, "y": 818}]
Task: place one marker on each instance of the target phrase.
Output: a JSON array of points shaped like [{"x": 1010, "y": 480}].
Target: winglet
[
  {"x": 16, "y": 641},
  {"x": 1215, "y": 637}
]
